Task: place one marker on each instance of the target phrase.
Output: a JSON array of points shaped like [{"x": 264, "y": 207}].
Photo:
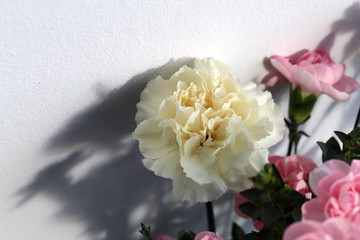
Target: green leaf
[
  {"x": 270, "y": 215},
  {"x": 329, "y": 152},
  {"x": 333, "y": 144},
  {"x": 251, "y": 236},
  {"x": 145, "y": 230},
  {"x": 253, "y": 195},
  {"x": 296, "y": 216},
  {"x": 355, "y": 134},
  {"x": 344, "y": 138},
  {"x": 236, "y": 232},
  {"x": 303, "y": 133},
  {"x": 186, "y": 234},
  {"x": 247, "y": 208},
  {"x": 277, "y": 174}
]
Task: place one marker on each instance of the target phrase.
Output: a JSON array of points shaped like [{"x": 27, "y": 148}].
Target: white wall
[{"x": 71, "y": 73}]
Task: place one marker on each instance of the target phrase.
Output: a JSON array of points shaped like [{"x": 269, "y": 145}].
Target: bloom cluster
[{"x": 208, "y": 133}]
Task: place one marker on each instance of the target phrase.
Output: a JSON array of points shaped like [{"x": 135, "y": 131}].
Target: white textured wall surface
[{"x": 71, "y": 73}]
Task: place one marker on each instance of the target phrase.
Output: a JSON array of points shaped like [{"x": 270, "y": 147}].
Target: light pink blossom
[
  {"x": 337, "y": 186},
  {"x": 295, "y": 169},
  {"x": 331, "y": 229},
  {"x": 164, "y": 237},
  {"x": 208, "y": 236},
  {"x": 314, "y": 72}
]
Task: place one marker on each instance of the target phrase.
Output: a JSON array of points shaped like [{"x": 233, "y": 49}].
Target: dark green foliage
[
  {"x": 271, "y": 202},
  {"x": 236, "y": 232},
  {"x": 350, "y": 146}
]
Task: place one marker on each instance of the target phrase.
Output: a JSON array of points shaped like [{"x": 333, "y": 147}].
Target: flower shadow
[
  {"x": 98, "y": 178},
  {"x": 350, "y": 53},
  {"x": 349, "y": 24}
]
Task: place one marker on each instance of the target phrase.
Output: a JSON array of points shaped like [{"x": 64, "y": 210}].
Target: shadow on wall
[
  {"x": 100, "y": 179},
  {"x": 349, "y": 24},
  {"x": 102, "y": 182}
]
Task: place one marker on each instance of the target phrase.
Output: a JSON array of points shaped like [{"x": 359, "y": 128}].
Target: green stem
[
  {"x": 210, "y": 216},
  {"x": 289, "y": 148}
]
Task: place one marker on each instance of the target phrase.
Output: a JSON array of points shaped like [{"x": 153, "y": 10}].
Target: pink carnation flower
[
  {"x": 295, "y": 170},
  {"x": 314, "y": 72},
  {"x": 208, "y": 236},
  {"x": 331, "y": 229},
  {"x": 337, "y": 186},
  {"x": 164, "y": 237}
]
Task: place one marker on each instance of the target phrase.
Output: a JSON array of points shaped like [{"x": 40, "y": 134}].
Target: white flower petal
[
  {"x": 152, "y": 141},
  {"x": 186, "y": 189},
  {"x": 166, "y": 166},
  {"x": 240, "y": 180},
  {"x": 194, "y": 166},
  {"x": 202, "y": 129},
  {"x": 152, "y": 96}
]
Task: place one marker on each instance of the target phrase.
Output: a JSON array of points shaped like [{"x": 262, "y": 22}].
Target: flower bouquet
[{"x": 208, "y": 133}]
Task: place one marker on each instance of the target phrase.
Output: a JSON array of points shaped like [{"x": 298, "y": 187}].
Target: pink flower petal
[
  {"x": 208, "y": 236},
  {"x": 333, "y": 92},
  {"x": 325, "y": 184},
  {"x": 347, "y": 84},
  {"x": 164, "y": 237},
  {"x": 339, "y": 70},
  {"x": 274, "y": 79},
  {"x": 283, "y": 66},
  {"x": 258, "y": 225},
  {"x": 306, "y": 80},
  {"x": 325, "y": 73},
  {"x": 298, "y": 229},
  {"x": 340, "y": 228},
  {"x": 322, "y": 171},
  {"x": 355, "y": 166},
  {"x": 311, "y": 211}
]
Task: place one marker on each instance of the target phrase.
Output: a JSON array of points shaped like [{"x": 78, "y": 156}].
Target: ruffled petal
[
  {"x": 283, "y": 65},
  {"x": 185, "y": 188},
  {"x": 150, "y": 99},
  {"x": 324, "y": 170},
  {"x": 347, "y": 84},
  {"x": 166, "y": 166},
  {"x": 325, "y": 73},
  {"x": 154, "y": 142},
  {"x": 306, "y": 80},
  {"x": 333, "y": 92},
  {"x": 297, "y": 230},
  {"x": 339, "y": 70},
  {"x": 194, "y": 166},
  {"x": 311, "y": 211}
]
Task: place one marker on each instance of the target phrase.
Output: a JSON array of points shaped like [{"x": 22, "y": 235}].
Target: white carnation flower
[{"x": 205, "y": 131}]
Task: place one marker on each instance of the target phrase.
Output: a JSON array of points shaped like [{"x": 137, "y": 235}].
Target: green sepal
[
  {"x": 301, "y": 105},
  {"x": 145, "y": 230},
  {"x": 186, "y": 234}
]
